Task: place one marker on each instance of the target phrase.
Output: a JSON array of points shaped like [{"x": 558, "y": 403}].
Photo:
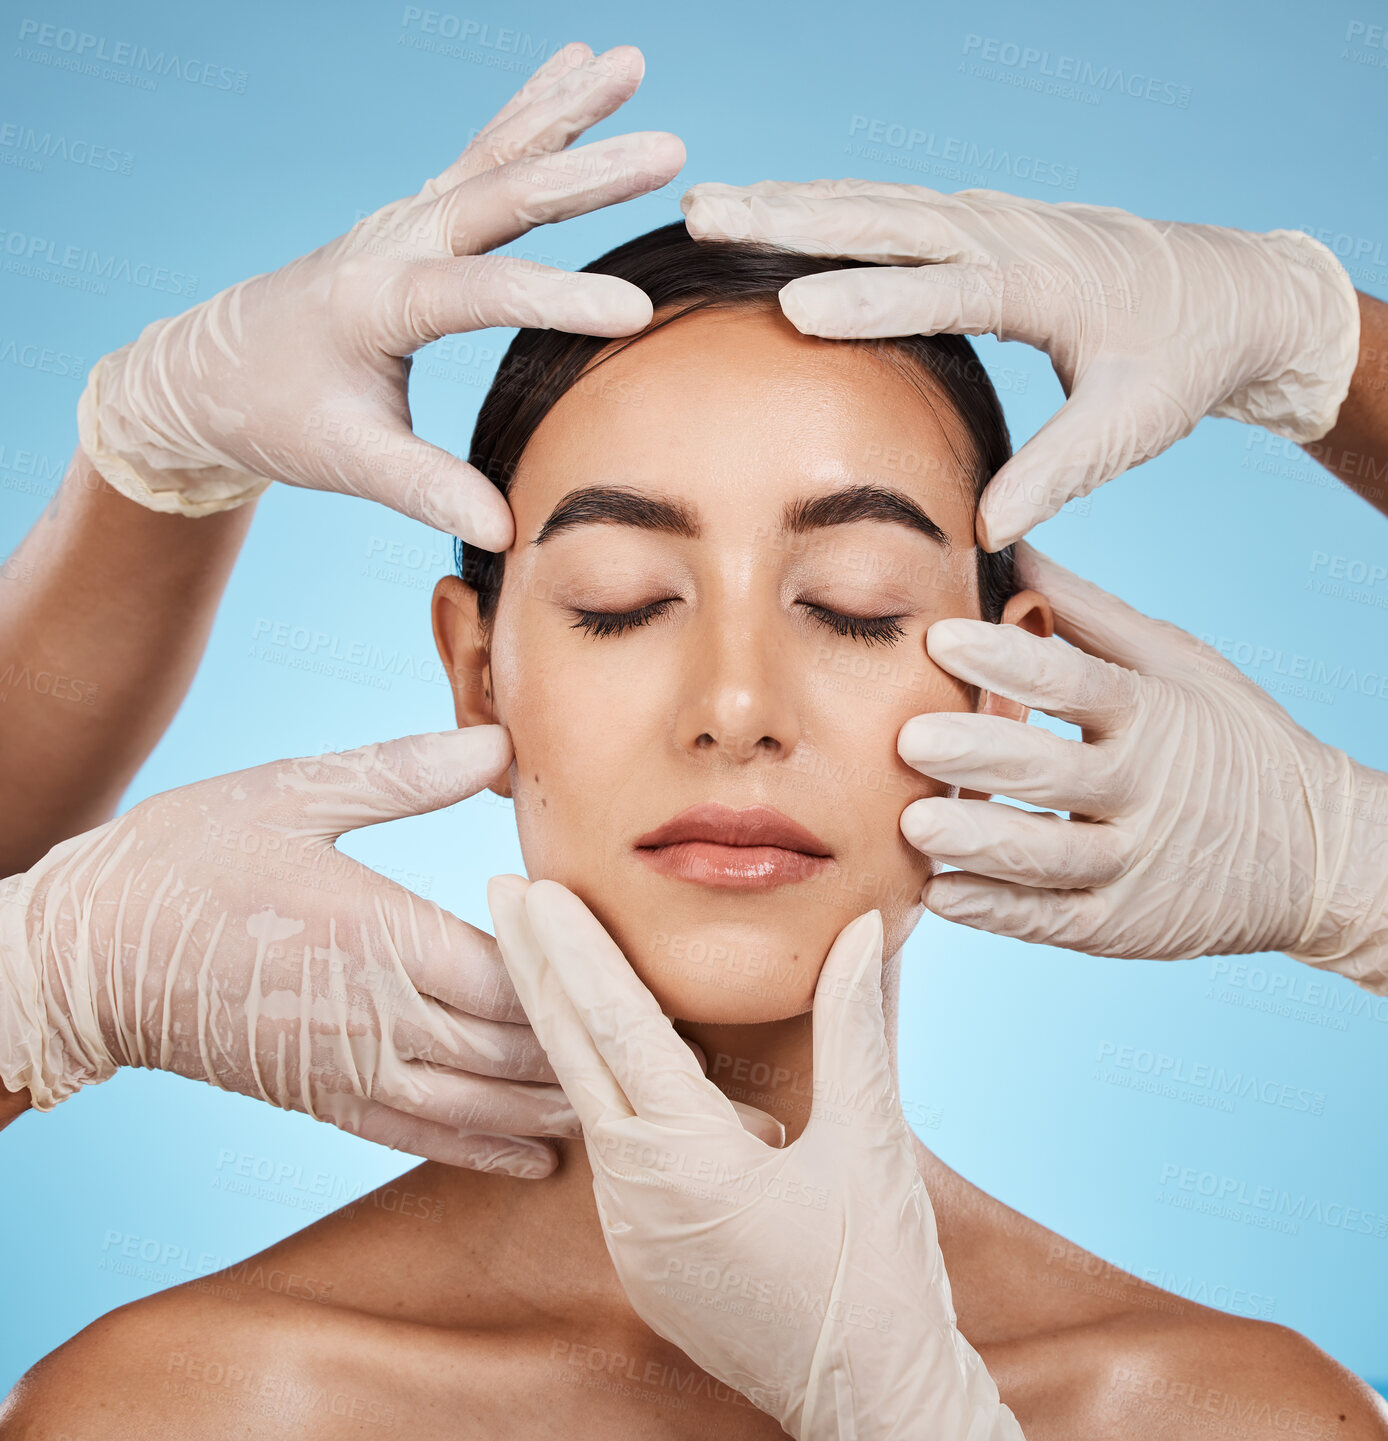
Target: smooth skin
[{"x": 452, "y": 1303}]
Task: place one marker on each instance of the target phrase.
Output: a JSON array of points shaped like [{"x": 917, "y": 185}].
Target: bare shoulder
[
  {"x": 1202, "y": 1375},
  {"x": 1081, "y": 1348},
  {"x": 192, "y": 1363},
  {"x": 274, "y": 1345}
]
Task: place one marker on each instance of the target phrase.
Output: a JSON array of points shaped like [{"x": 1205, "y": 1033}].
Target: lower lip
[{"x": 741, "y": 868}]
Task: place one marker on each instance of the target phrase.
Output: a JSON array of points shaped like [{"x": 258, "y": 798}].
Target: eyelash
[
  {"x": 872, "y": 630},
  {"x": 613, "y": 622}
]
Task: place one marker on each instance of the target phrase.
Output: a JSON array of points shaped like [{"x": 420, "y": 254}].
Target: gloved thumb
[
  {"x": 1075, "y": 452},
  {"x": 392, "y": 779},
  {"x": 430, "y": 485},
  {"x": 852, "y": 1065},
  {"x": 1096, "y": 435}
]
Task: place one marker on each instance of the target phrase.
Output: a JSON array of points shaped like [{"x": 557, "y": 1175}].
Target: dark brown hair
[{"x": 677, "y": 271}]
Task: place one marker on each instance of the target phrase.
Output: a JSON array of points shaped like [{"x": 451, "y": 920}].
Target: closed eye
[
  {"x": 871, "y": 629},
  {"x": 614, "y": 622}
]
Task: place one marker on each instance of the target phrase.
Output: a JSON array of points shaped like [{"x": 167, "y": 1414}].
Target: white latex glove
[
  {"x": 1150, "y": 325},
  {"x": 299, "y": 375},
  {"x": 216, "y": 931},
  {"x": 1203, "y": 819},
  {"x": 845, "y": 1327}
]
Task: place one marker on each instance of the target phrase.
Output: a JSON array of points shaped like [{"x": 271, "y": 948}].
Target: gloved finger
[
  {"x": 499, "y": 205},
  {"x": 584, "y": 1074},
  {"x": 1103, "y": 625},
  {"x": 1007, "y": 757},
  {"x": 507, "y": 1155},
  {"x": 719, "y": 190},
  {"x": 460, "y": 966},
  {"x": 884, "y": 223},
  {"x": 479, "y": 154},
  {"x": 1093, "y": 437},
  {"x": 1035, "y": 848},
  {"x": 1047, "y": 918},
  {"x": 1042, "y": 673},
  {"x": 433, "y": 1032},
  {"x": 654, "y": 1067},
  {"x": 484, "y": 1103},
  {"x": 427, "y": 301},
  {"x": 914, "y": 300},
  {"x": 555, "y": 116},
  {"x": 851, "y": 1057},
  {"x": 408, "y": 777},
  {"x": 427, "y": 484},
  {"x": 566, "y": 58},
  {"x": 758, "y": 1123}
]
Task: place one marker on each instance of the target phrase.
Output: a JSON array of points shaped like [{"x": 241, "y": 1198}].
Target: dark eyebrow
[
  {"x": 615, "y": 505},
  {"x": 859, "y": 502}
]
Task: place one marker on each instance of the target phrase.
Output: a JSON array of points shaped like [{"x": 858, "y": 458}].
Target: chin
[
  {"x": 737, "y": 973},
  {"x": 729, "y": 974},
  {"x": 722, "y": 954}
]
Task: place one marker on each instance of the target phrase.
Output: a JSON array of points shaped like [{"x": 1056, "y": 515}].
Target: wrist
[
  {"x": 134, "y": 459},
  {"x": 12, "y": 1104},
  {"x": 919, "y": 1399},
  {"x": 50, "y": 1040},
  {"x": 1300, "y": 386},
  {"x": 1348, "y": 931}
]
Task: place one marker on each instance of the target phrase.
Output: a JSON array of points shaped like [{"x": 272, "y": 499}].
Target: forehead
[{"x": 724, "y": 405}]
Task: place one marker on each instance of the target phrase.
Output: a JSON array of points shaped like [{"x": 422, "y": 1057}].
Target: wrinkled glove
[
  {"x": 1203, "y": 819},
  {"x": 300, "y": 375},
  {"x": 216, "y": 931},
  {"x": 808, "y": 1278},
  {"x": 1150, "y": 324}
]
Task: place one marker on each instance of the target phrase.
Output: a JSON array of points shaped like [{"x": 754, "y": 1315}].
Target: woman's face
[{"x": 730, "y": 542}]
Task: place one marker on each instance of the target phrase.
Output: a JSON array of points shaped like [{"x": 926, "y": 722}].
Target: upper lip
[{"x": 720, "y": 824}]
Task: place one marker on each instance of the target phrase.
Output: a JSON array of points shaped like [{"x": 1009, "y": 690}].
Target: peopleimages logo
[
  {"x": 1208, "y": 1078},
  {"x": 64, "y": 48},
  {"x": 1255, "y": 656},
  {"x": 1069, "y": 74},
  {"x": 1234, "y": 1198},
  {"x": 28, "y": 148},
  {"x": 952, "y": 150},
  {"x": 44, "y": 258}
]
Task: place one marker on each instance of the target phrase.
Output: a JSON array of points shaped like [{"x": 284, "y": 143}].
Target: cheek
[
  {"x": 576, "y": 730},
  {"x": 861, "y": 699}
]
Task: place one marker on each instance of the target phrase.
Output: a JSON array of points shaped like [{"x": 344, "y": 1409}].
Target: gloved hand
[
  {"x": 299, "y": 375},
  {"x": 215, "y": 931},
  {"x": 848, "y": 1328},
  {"x": 1150, "y": 325},
  {"x": 1203, "y": 819}
]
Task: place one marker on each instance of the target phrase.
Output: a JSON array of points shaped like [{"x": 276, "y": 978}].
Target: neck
[{"x": 770, "y": 1066}]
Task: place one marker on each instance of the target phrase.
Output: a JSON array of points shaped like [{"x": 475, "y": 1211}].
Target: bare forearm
[
  {"x": 1356, "y": 450},
  {"x": 12, "y": 1104},
  {"x": 105, "y": 609}
]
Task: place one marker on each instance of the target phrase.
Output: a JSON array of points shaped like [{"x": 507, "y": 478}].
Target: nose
[{"x": 738, "y": 704}]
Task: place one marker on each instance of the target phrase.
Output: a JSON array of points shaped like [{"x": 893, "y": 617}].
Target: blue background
[{"x": 1008, "y": 1061}]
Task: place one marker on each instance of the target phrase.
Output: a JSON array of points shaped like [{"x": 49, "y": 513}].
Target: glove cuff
[
  {"x": 1347, "y": 931},
  {"x": 142, "y": 468},
  {"x": 1302, "y": 400},
  {"x": 40, "y": 1052}
]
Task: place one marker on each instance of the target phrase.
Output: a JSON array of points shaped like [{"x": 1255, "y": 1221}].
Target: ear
[
  {"x": 464, "y": 647},
  {"x": 1032, "y": 611}
]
